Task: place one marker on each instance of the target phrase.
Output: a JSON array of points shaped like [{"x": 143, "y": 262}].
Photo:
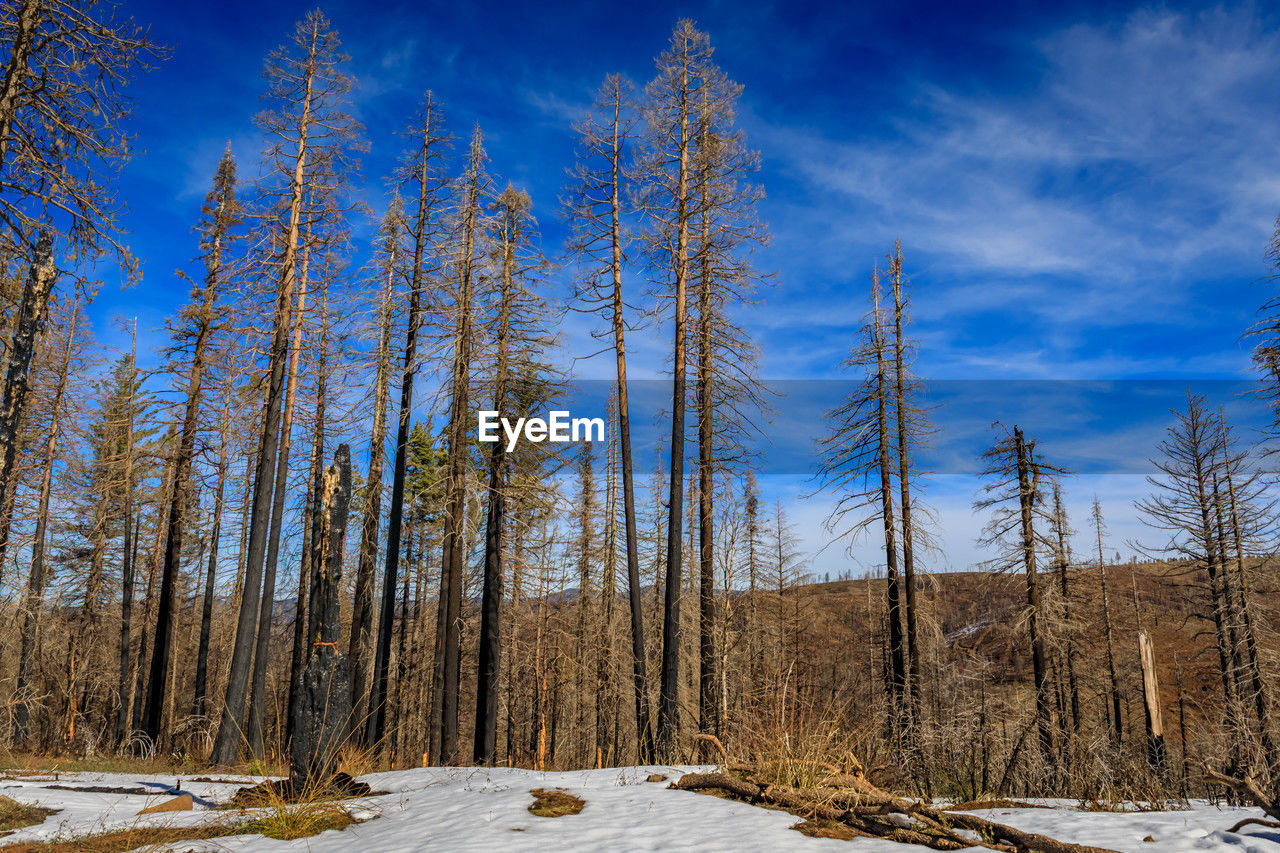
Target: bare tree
[
  {"x": 62, "y": 139},
  {"x": 857, "y": 464},
  {"x": 1117, "y": 730},
  {"x": 309, "y": 126},
  {"x": 517, "y": 333},
  {"x": 221, "y": 213},
  {"x": 464, "y": 267},
  {"x": 1060, "y": 526},
  {"x": 686, "y": 78},
  {"x": 599, "y": 241},
  {"x": 420, "y": 170},
  {"x": 37, "y": 577},
  {"x": 1016, "y": 495},
  {"x": 388, "y": 268},
  {"x": 1182, "y": 510}
]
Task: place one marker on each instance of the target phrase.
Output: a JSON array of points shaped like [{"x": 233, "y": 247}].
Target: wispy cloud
[{"x": 1136, "y": 162}]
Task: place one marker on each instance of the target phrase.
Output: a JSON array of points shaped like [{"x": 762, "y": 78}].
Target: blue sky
[{"x": 1083, "y": 191}]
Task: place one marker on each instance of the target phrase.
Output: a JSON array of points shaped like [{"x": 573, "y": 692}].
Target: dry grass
[
  {"x": 119, "y": 841},
  {"x": 801, "y": 743},
  {"x": 288, "y": 821},
  {"x": 16, "y": 815},
  {"x": 357, "y": 761},
  {"x": 285, "y": 822},
  {"x": 557, "y": 803},
  {"x": 825, "y": 829},
  {"x": 285, "y": 816}
]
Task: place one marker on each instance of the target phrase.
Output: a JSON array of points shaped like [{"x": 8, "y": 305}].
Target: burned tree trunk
[
  {"x": 1028, "y": 490},
  {"x": 323, "y": 707},
  {"x": 430, "y": 186}
]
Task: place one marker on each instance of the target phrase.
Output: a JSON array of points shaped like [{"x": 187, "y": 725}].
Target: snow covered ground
[{"x": 470, "y": 809}]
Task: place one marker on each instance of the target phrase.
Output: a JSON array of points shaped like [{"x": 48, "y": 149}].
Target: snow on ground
[{"x": 481, "y": 809}]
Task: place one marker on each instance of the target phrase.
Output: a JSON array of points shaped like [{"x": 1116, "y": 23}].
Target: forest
[{"x": 288, "y": 545}]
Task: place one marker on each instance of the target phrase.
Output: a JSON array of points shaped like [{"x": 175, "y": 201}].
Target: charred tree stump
[{"x": 322, "y": 713}]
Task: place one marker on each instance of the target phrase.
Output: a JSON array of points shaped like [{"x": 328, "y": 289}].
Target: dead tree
[
  {"x": 221, "y": 471},
  {"x": 668, "y": 201},
  {"x": 313, "y": 519},
  {"x": 63, "y": 138},
  {"x": 309, "y": 126},
  {"x": 420, "y": 171},
  {"x": 1182, "y": 511},
  {"x": 323, "y": 710},
  {"x": 1250, "y": 517},
  {"x": 727, "y": 391},
  {"x": 599, "y": 242},
  {"x": 909, "y": 427},
  {"x": 388, "y": 269},
  {"x": 516, "y": 316},
  {"x": 857, "y": 465},
  {"x": 1061, "y": 531},
  {"x": 221, "y": 213},
  {"x": 30, "y": 612},
  {"x": 463, "y": 272},
  {"x": 1117, "y": 730},
  {"x": 1016, "y": 495}
]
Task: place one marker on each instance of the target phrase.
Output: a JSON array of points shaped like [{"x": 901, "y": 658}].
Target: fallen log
[{"x": 869, "y": 811}]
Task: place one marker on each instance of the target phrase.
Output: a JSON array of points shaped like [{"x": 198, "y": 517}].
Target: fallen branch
[
  {"x": 1248, "y": 790},
  {"x": 1249, "y": 821},
  {"x": 867, "y": 810}
]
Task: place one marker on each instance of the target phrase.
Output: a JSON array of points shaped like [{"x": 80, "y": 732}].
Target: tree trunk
[
  {"x": 36, "y": 581},
  {"x": 395, "y": 517},
  {"x": 708, "y": 707},
  {"x": 668, "y": 700},
  {"x": 267, "y": 602},
  {"x": 486, "y": 721},
  {"x": 904, "y": 486},
  {"x": 28, "y": 325},
  {"x": 898, "y": 669},
  {"x": 126, "y": 566},
  {"x": 1117, "y": 731},
  {"x": 151, "y": 721},
  {"x": 323, "y": 722},
  {"x": 449, "y": 655},
  {"x": 1028, "y": 488},
  {"x": 362, "y": 604},
  {"x": 226, "y": 748},
  {"x": 210, "y": 583}
]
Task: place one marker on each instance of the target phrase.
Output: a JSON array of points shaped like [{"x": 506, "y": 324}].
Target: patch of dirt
[
  {"x": 998, "y": 803},
  {"x": 96, "y": 789},
  {"x": 557, "y": 803},
  {"x": 211, "y": 781},
  {"x": 825, "y": 829},
  {"x": 656, "y": 777}
]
